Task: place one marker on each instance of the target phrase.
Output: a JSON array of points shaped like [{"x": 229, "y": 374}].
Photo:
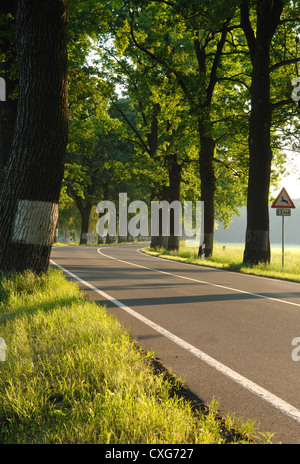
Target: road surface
[{"x": 228, "y": 335}]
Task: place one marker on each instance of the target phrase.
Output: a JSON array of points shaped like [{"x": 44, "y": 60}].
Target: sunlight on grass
[
  {"x": 73, "y": 375},
  {"x": 231, "y": 258}
]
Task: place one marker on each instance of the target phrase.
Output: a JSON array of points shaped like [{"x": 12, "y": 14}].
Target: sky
[{"x": 291, "y": 182}]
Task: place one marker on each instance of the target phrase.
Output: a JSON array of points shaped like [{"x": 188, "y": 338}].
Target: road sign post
[
  {"x": 282, "y": 257},
  {"x": 283, "y": 205}
]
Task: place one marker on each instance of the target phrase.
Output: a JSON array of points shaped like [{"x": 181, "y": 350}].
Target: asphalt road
[{"x": 228, "y": 335}]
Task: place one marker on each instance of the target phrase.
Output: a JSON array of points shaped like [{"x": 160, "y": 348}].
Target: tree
[
  {"x": 271, "y": 18},
  {"x": 152, "y": 120},
  {"x": 186, "y": 40},
  {"x": 29, "y": 200},
  {"x": 69, "y": 217},
  {"x": 8, "y": 71},
  {"x": 200, "y": 51}
]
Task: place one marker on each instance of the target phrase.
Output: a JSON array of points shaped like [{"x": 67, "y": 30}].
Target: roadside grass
[
  {"x": 73, "y": 375},
  {"x": 231, "y": 258}
]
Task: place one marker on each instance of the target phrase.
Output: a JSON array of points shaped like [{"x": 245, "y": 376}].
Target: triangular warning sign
[{"x": 283, "y": 200}]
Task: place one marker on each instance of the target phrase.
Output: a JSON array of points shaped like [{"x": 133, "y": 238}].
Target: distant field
[{"x": 274, "y": 246}]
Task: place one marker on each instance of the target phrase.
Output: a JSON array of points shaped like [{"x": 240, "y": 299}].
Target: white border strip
[{"x": 262, "y": 393}]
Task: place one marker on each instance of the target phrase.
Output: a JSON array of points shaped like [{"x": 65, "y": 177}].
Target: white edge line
[
  {"x": 217, "y": 269},
  {"x": 259, "y": 391},
  {"x": 258, "y": 295}
]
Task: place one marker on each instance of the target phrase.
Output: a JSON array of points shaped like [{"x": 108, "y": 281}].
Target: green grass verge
[
  {"x": 231, "y": 258},
  {"x": 72, "y": 374}
]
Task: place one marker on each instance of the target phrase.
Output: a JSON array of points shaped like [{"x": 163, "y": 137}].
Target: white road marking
[
  {"x": 257, "y": 295},
  {"x": 217, "y": 269},
  {"x": 259, "y": 391}
]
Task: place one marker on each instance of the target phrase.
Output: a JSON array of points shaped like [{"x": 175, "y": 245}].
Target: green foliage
[{"x": 141, "y": 76}]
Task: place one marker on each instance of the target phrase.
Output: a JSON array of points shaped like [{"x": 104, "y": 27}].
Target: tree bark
[
  {"x": 257, "y": 242},
  {"x": 207, "y": 143},
  {"x": 85, "y": 219},
  {"x": 109, "y": 239},
  {"x": 85, "y": 212},
  {"x": 29, "y": 200},
  {"x": 8, "y": 112},
  {"x": 208, "y": 188},
  {"x": 160, "y": 241},
  {"x": 175, "y": 170},
  {"x": 8, "y": 108},
  {"x": 100, "y": 239},
  {"x": 55, "y": 238}
]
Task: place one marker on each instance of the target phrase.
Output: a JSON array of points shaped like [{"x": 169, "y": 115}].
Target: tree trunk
[
  {"x": 85, "y": 218},
  {"x": 8, "y": 112},
  {"x": 257, "y": 243},
  {"x": 55, "y": 238},
  {"x": 161, "y": 241},
  {"x": 29, "y": 200},
  {"x": 208, "y": 188},
  {"x": 175, "y": 170},
  {"x": 85, "y": 212},
  {"x": 109, "y": 239},
  {"x": 8, "y": 108},
  {"x": 100, "y": 239}
]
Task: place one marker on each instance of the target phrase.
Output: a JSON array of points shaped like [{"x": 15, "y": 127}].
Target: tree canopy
[{"x": 174, "y": 100}]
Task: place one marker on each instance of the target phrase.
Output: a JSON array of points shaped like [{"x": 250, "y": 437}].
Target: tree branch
[
  {"x": 200, "y": 54},
  {"x": 166, "y": 2},
  {"x": 215, "y": 66},
  {"x": 275, "y": 15},
  {"x": 247, "y": 28},
  {"x": 140, "y": 47},
  {"x": 289, "y": 20},
  {"x": 229, "y": 168},
  {"x": 281, "y": 103},
  {"x": 232, "y": 79},
  {"x": 155, "y": 59},
  {"x": 131, "y": 126},
  {"x": 284, "y": 63}
]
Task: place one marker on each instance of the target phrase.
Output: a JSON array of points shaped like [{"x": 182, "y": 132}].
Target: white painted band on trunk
[
  {"x": 2, "y": 349},
  {"x": 84, "y": 235},
  {"x": 2, "y": 89},
  {"x": 35, "y": 222}
]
